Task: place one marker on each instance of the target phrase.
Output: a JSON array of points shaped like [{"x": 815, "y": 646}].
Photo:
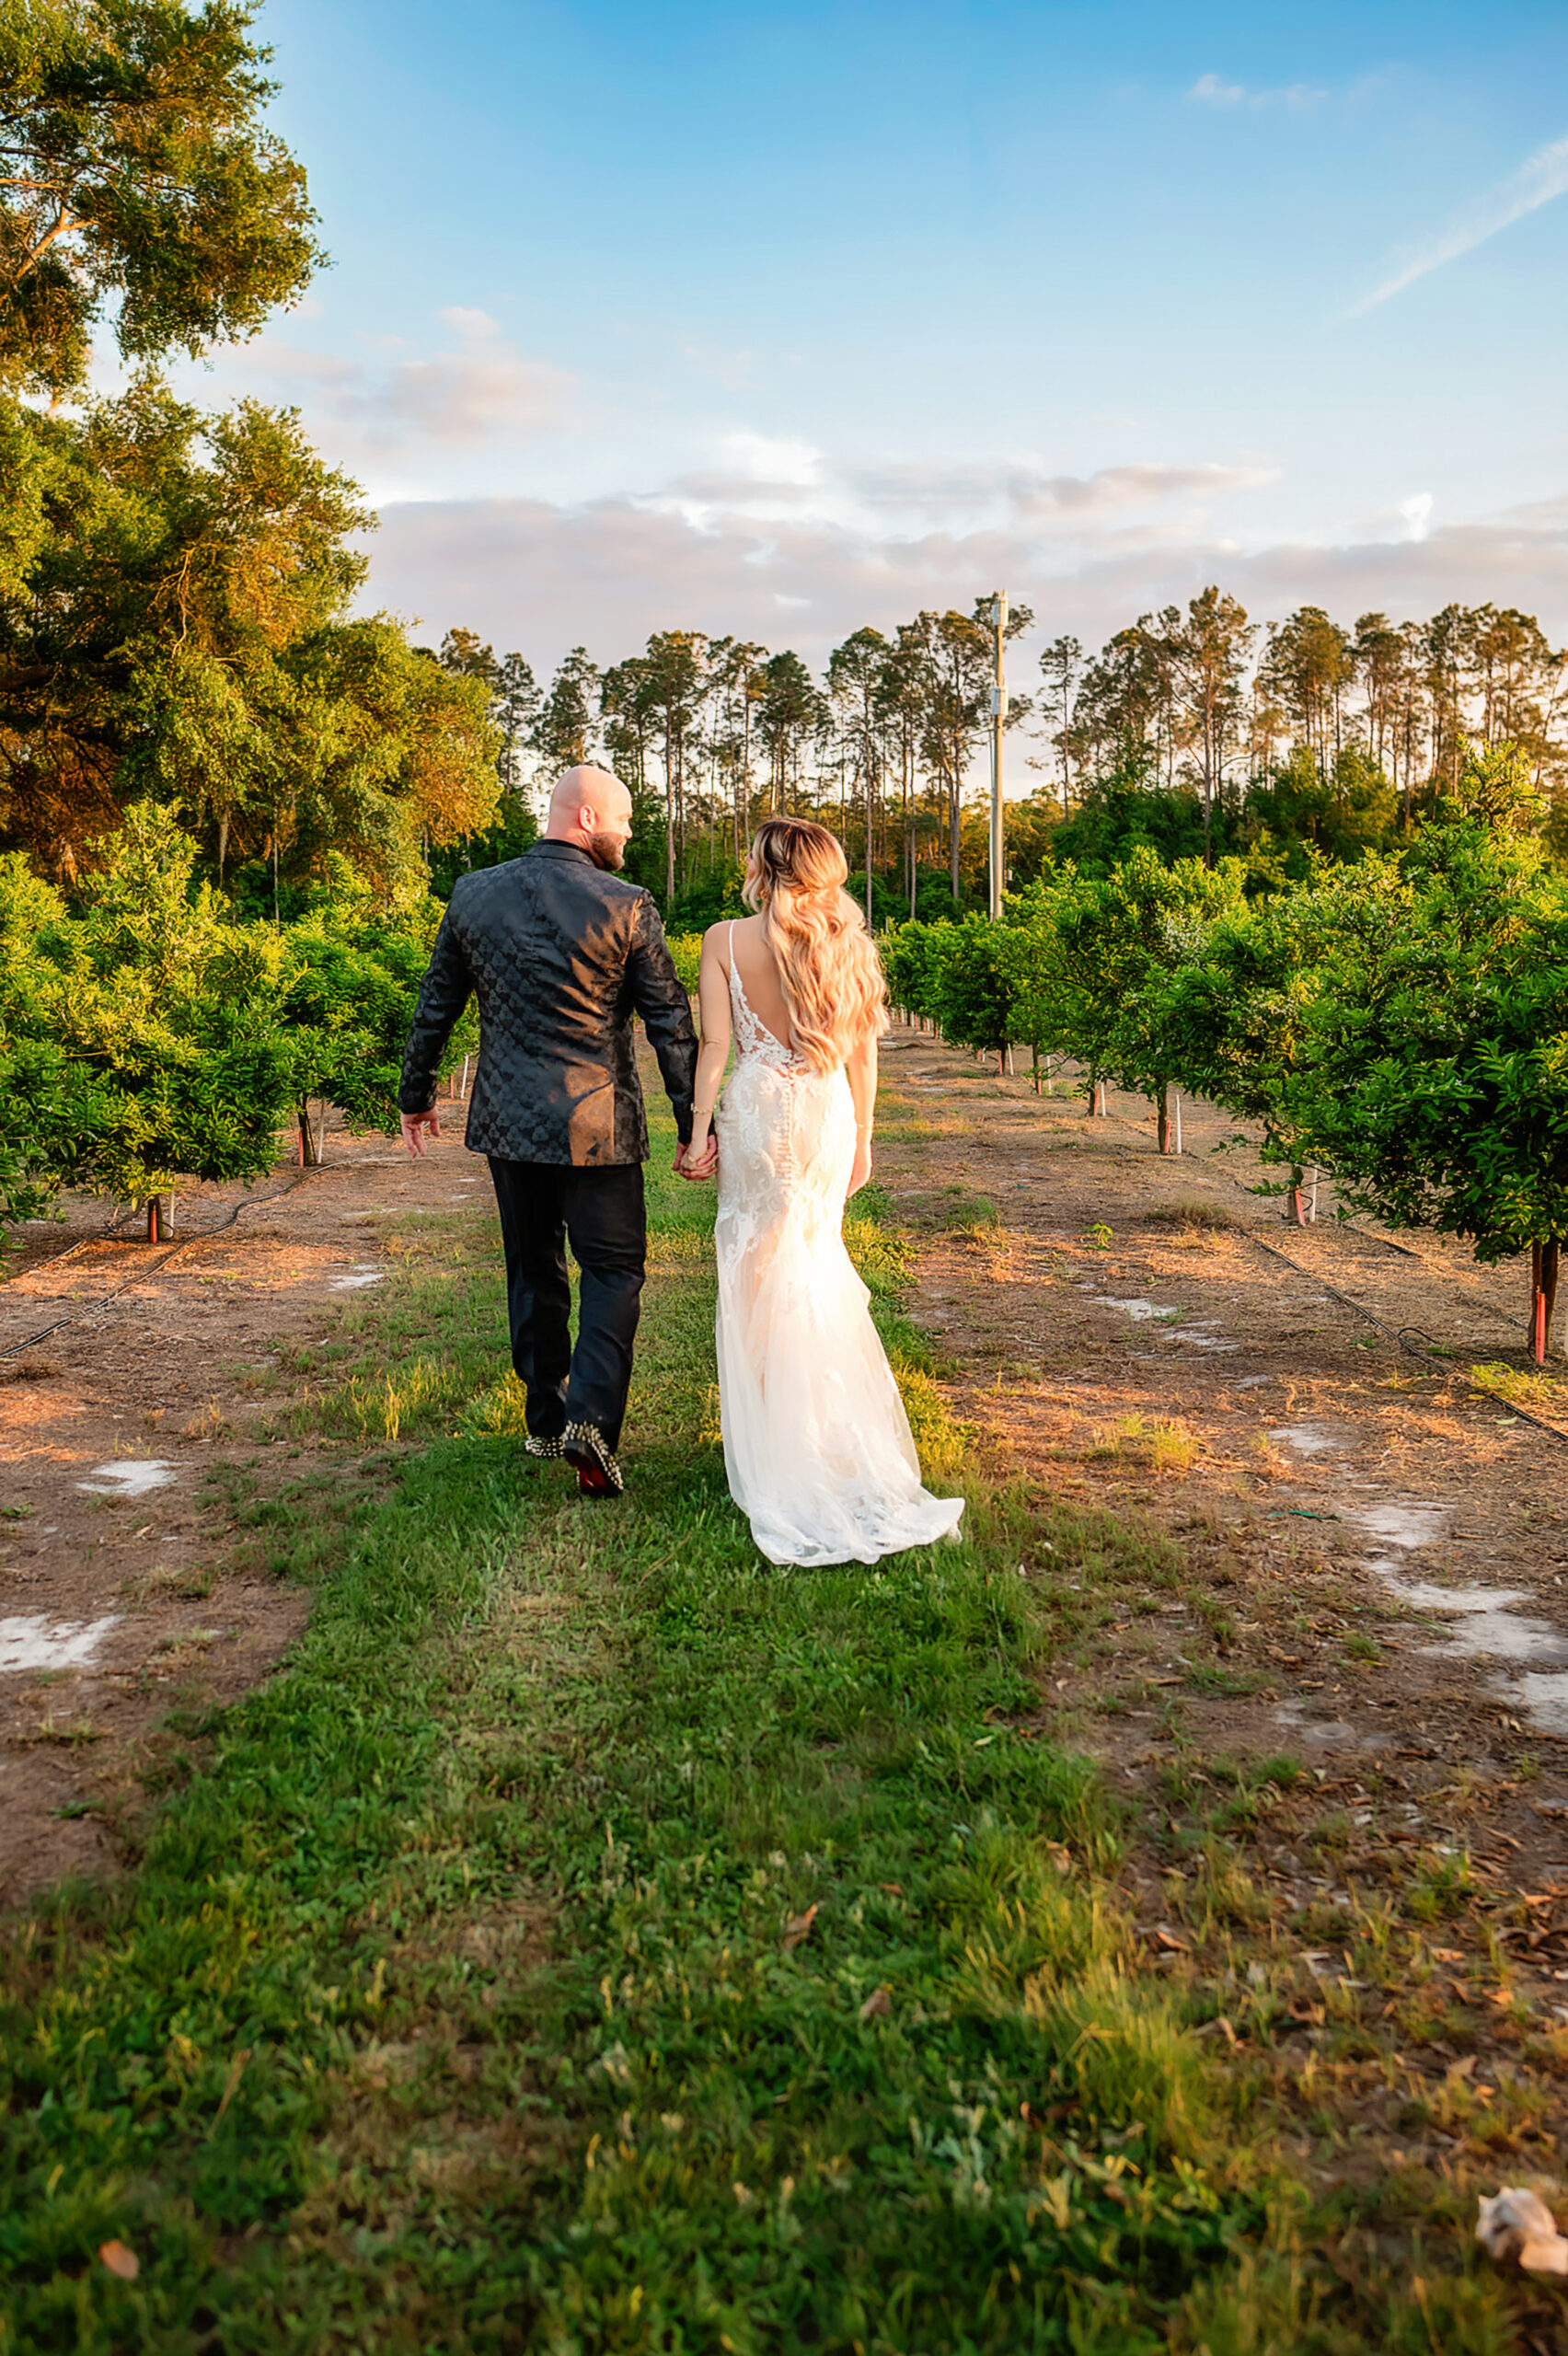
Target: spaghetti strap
[{"x": 752, "y": 1034}]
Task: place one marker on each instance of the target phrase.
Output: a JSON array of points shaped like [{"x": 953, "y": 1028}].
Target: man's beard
[{"x": 607, "y": 850}]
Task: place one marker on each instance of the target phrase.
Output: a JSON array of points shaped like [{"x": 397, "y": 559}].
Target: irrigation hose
[
  {"x": 1402, "y": 1336},
  {"x": 186, "y": 1243}
]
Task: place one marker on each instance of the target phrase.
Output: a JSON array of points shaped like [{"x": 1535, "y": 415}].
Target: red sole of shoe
[{"x": 593, "y": 1480}]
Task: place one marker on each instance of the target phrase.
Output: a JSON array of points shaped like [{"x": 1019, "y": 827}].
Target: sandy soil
[
  {"x": 1383, "y": 1551},
  {"x": 140, "y": 1387}
]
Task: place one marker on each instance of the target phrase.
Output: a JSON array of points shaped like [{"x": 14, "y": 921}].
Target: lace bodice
[{"x": 753, "y": 1037}]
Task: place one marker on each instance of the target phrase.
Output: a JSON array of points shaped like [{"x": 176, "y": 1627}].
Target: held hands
[
  {"x": 699, "y": 1159},
  {"x": 413, "y": 1123}
]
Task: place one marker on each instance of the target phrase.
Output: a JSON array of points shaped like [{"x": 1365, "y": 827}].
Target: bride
[{"x": 817, "y": 1442}]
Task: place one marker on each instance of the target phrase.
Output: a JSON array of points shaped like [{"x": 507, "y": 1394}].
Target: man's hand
[
  {"x": 695, "y": 1161},
  {"x": 413, "y": 1125}
]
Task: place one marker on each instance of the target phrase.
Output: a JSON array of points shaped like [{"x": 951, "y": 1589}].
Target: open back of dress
[{"x": 817, "y": 1442}]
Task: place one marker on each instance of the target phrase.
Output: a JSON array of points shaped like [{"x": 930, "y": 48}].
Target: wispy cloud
[
  {"x": 757, "y": 477},
  {"x": 480, "y": 390},
  {"x": 543, "y": 576},
  {"x": 1211, "y": 91},
  {"x": 1537, "y": 182}
]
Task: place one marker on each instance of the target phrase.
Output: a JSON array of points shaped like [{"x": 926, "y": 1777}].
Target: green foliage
[
  {"x": 173, "y": 619},
  {"x": 1402, "y": 1022},
  {"x": 1433, "y": 1080},
  {"x": 1237, "y": 1020},
  {"x": 141, "y": 181},
  {"x": 153, "y": 1010},
  {"x": 1302, "y": 811},
  {"x": 1099, "y": 949},
  {"x": 686, "y": 947},
  {"x": 913, "y": 960},
  {"x": 148, "y": 1035},
  {"x": 977, "y": 993},
  {"x": 1126, "y": 812},
  {"x": 349, "y": 982}
]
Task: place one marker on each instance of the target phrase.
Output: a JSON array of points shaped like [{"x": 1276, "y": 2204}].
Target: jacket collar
[{"x": 549, "y": 849}]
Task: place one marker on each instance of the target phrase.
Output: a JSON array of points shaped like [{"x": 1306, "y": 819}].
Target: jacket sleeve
[
  {"x": 659, "y": 995},
  {"x": 444, "y": 994}
]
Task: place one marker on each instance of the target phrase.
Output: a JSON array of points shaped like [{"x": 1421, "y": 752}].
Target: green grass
[{"x": 595, "y": 1939}]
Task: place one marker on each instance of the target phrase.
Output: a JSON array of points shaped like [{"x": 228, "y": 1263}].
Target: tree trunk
[
  {"x": 1162, "y": 1117},
  {"x": 1543, "y": 1294},
  {"x": 309, "y": 1134}
]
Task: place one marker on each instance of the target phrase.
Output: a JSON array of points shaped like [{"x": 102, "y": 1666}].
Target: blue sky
[{"x": 779, "y": 321}]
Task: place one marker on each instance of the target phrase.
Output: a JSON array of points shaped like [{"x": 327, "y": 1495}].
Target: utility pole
[{"x": 999, "y": 720}]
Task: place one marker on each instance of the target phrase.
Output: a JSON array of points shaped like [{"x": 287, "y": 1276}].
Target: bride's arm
[
  {"x": 862, "y": 1069},
  {"x": 713, "y": 1006}
]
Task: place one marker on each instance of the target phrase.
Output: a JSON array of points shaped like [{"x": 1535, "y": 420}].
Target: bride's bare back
[{"x": 758, "y": 970}]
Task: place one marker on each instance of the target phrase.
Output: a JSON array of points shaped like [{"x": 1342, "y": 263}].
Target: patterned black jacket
[{"x": 560, "y": 954}]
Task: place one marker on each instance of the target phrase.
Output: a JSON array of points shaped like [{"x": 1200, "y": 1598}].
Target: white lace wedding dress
[{"x": 816, "y": 1441}]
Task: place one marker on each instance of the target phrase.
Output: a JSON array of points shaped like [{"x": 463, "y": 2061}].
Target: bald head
[{"x": 592, "y": 809}]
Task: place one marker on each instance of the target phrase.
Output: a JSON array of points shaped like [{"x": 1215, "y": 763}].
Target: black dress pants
[{"x": 542, "y": 1205}]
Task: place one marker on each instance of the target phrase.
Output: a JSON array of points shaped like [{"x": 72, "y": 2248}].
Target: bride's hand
[
  {"x": 862, "y": 1166},
  {"x": 699, "y": 1159}
]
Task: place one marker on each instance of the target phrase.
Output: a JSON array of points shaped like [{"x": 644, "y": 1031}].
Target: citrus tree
[
  {"x": 170, "y": 1009},
  {"x": 977, "y": 985},
  {"x": 914, "y": 957},
  {"x": 1109, "y": 944},
  {"x": 349, "y": 982},
  {"x": 1434, "y": 1076},
  {"x": 1236, "y": 1017}
]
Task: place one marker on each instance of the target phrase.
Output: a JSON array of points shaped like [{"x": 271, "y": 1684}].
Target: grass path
[{"x": 595, "y": 1940}]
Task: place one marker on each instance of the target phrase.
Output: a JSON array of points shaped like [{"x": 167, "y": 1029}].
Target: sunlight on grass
[
  {"x": 1520, "y": 1388},
  {"x": 1156, "y": 1444}
]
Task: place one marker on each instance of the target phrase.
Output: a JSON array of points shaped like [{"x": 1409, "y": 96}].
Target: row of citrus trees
[
  {"x": 146, "y": 1036},
  {"x": 1401, "y": 1023}
]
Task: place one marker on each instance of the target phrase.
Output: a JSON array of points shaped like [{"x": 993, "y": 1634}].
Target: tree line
[{"x": 1195, "y": 730}]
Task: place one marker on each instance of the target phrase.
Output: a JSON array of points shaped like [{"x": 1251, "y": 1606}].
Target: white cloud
[
  {"x": 1540, "y": 177},
  {"x": 469, "y": 323},
  {"x": 1027, "y": 489},
  {"x": 1417, "y": 513},
  {"x": 761, "y": 479},
  {"x": 480, "y": 390},
  {"x": 542, "y": 576},
  {"x": 766, "y": 458},
  {"x": 1211, "y": 91}
]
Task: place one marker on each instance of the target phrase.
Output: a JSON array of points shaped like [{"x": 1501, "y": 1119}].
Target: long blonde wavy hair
[{"x": 828, "y": 966}]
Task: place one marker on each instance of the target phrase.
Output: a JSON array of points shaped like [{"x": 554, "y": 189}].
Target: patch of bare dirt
[
  {"x": 140, "y": 1386},
  {"x": 1388, "y": 1548},
  {"x": 1307, "y": 1602}
]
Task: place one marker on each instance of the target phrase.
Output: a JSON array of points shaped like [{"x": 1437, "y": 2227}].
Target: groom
[{"x": 561, "y": 950}]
